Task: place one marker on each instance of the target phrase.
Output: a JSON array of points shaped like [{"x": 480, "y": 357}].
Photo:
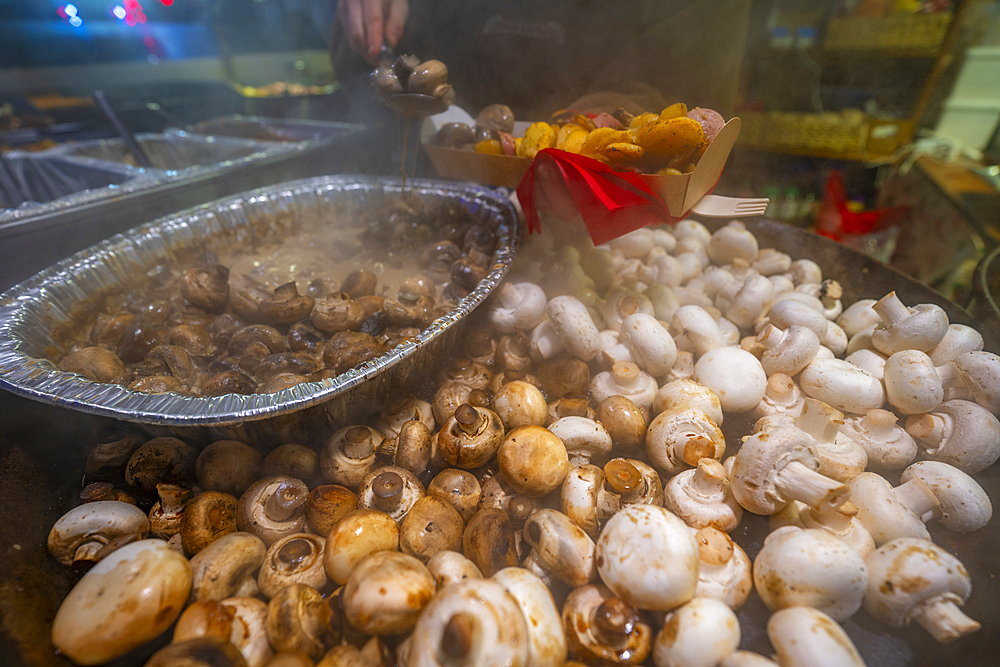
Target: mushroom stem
[
  {"x": 456, "y": 640},
  {"x": 779, "y": 387},
  {"x": 387, "y": 490},
  {"x": 837, "y": 519},
  {"x": 928, "y": 429},
  {"x": 918, "y": 498},
  {"x": 819, "y": 420},
  {"x": 626, "y": 374},
  {"x": 469, "y": 419},
  {"x": 714, "y": 546},
  {"x": 798, "y": 482},
  {"x": 86, "y": 555},
  {"x": 942, "y": 618},
  {"x": 281, "y": 505},
  {"x": 770, "y": 336},
  {"x": 879, "y": 424},
  {"x": 891, "y": 309},
  {"x": 173, "y": 497},
  {"x": 358, "y": 443},
  {"x": 698, "y": 447},
  {"x": 622, "y": 476},
  {"x": 614, "y": 621},
  {"x": 708, "y": 478}
]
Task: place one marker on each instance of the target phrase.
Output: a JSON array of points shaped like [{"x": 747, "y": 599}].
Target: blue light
[
  {"x": 119, "y": 12},
  {"x": 71, "y": 10},
  {"x": 76, "y": 21}
]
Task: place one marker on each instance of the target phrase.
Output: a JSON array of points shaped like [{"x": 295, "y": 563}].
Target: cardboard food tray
[{"x": 680, "y": 193}]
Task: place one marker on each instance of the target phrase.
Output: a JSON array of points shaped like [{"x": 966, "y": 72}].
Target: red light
[
  {"x": 149, "y": 41},
  {"x": 62, "y": 11},
  {"x": 167, "y": 3}
]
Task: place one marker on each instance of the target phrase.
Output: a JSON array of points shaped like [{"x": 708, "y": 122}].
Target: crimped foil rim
[{"x": 21, "y": 308}]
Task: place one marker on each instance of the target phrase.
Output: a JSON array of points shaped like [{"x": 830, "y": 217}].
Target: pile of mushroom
[
  {"x": 196, "y": 330},
  {"x": 567, "y": 493}
]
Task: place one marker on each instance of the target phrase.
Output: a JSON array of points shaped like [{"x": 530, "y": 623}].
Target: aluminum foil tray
[
  {"x": 274, "y": 129},
  {"x": 43, "y": 179},
  {"x": 177, "y": 153},
  {"x": 30, "y": 311}
]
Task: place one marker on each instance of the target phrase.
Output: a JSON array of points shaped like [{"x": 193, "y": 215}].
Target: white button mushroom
[
  {"x": 782, "y": 396},
  {"x": 961, "y": 433},
  {"x": 561, "y": 547},
  {"x": 963, "y": 505},
  {"x": 916, "y": 580},
  {"x": 612, "y": 349},
  {"x": 920, "y": 327},
  {"x": 695, "y": 330},
  {"x": 518, "y": 306},
  {"x": 651, "y": 344},
  {"x": 724, "y": 569},
  {"x": 787, "y": 312},
  {"x": 751, "y": 302},
  {"x": 701, "y": 633},
  {"x": 841, "y": 522},
  {"x": 218, "y": 570},
  {"x": 888, "y": 445},
  {"x": 870, "y": 361},
  {"x": 771, "y": 262},
  {"x": 787, "y": 351},
  {"x": 959, "y": 339},
  {"x": 470, "y": 623},
  {"x": 678, "y": 439},
  {"x": 735, "y": 375},
  {"x": 889, "y": 513},
  {"x": 584, "y": 438},
  {"x": 80, "y": 535},
  {"x": 839, "y": 457},
  {"x": 980, "y": 371},
  {"x": 546, "y": 639},
  {"x": 680, "y": 394},
  {"x": 806, "y": 637},
  {"x": 702, "y": 497},
  {"x": 625, "y": 379},
  {"x": 859, "y": 315},
  {"x": 778, "y": 465},
  {"x": 124, "y": 601},
  {"x": 386, "y": 593},
  {"x": 585, "y": 500},
  {"x": 648, "y": 557},
  {"x": 731, "y": 241},
  {"x": 842, "y": 385},
  {"x": 912, "y": 384},
  {"x": 811, "y": 568}
]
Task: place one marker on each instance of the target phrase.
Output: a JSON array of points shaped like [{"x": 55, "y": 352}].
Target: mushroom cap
[
  {"x": 688, "y": 394},
  {"x": 576, "y": 329},
  {"x": 253, "y": 511},
  {"x": 449, "y": 567},
  {"x": 546, "y": 639},
  {"x": 812, "y": 568},
  {"x": 758, "y": 461},
  {"x": 198, "y": 651},
  {"x": 561, "y": 546},
  {"x": 912, "y": 384},
  {"x": 651, "y": 344},
  {"x": 678, "y": 439},
  {"x": 473, "y": 623},
  {"x": 355, "y": 537},
  {"x": 124, "y": 601},
  {"x": 533, "y": 460},
  {"x": 965, "y": 506},
  {"x": 520, "y": 403},
  {"x": 724, "y": 569},
  {"x": 857, "y": 316},
  {"x": 907, "y": 572},
  {"x": 348, "y": 456},
  {"x": 583, "y": 438},
  {"x": 228, "y": 465},
  {"x": 922, "y": 330},
  {"x": 648, "y": 556},
  {"x": 386, "y": 593},
  {"x": 98, "y": 522},
  {"x": 701, "y": 633},
  {"x": 842, "y": 385},
  {"x": 971, "y": 436},
  {"x": 431, "y": 526},
  {"x": 981, "y": 373},
  {"x": 218, "y": 570},
  {"x": 206, "y": 518},
  {"x": 735, "y": 375},
  {"x": 699, "y": 504},
  {"x": 806, "y": 637},
  {"x": 795, "y": 349},
  {"x": 518, "y": 306},
  {"x": 881, "y": 512}
]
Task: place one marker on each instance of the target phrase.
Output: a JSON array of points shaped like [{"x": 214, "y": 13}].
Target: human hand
[{"x": 366, "y": 22}]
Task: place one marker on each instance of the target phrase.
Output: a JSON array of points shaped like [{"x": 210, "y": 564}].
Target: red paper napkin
[{"x": 611, "y": 203}]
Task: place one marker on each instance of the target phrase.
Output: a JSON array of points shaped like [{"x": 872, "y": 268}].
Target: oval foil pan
[{"x": 30, "y": 311}]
